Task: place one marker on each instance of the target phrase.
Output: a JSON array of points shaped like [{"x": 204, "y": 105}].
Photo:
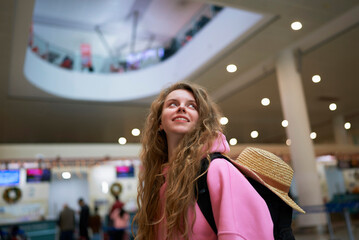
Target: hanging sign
[{"x": 86, "y": 55}]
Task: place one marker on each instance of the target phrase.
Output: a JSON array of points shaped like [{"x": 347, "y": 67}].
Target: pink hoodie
[{"x": 239, "y": 211}]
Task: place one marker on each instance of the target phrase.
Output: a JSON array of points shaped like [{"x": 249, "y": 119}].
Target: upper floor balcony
[{"x": 211, "y": 32}]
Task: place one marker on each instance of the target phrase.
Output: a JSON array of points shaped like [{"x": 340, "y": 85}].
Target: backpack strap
[{"x": 204, "y": 200}]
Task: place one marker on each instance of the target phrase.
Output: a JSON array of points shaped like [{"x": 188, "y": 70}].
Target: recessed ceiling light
[
  {"x": 254, "y": 134},
  {"x": 122, "y": 140},
  {"x": 347, "y": 125},
  {"x": 288, "y": 142},
  {"x": 332, "y": 107},
  {"x": 66, "y": 175},
  {"x": 313, "y": 135},
  {"x": 231, "y": 68},
  {"x": 285, "y": 123},
  {"x": 135, "y": 132},
  {"x": 316, "y": 78},
  {"x": 265, "y": 101},
  {"x": 296, "y": 25},
  {"x": 233, "y": 141},
  {"x": 223, "y": 120}
]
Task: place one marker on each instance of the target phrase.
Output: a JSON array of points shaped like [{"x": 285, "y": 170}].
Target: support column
[{"x": 298, "y": 130}]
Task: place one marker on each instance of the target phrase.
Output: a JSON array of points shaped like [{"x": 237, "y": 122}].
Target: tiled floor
[{"x": 339, "y": 229}]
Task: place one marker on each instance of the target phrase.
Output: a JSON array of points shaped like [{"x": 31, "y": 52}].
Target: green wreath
[
  {"x": 116, "y": 189},
  {"x": 12, "y": 194}
]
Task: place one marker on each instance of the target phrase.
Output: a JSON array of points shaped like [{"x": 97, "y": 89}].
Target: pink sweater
[
  {"x": 239, "y": 211},
  {"x": 120, "y": 222}
]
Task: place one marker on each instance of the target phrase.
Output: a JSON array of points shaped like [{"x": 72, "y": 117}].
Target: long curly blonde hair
[{"x": 182, "y": 171}]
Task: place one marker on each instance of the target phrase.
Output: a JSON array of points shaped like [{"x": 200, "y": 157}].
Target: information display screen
[
  {"x": 38, "y": 175},
  {"x": 125, "y": 171},
  {"x": 9, "y": 177}
]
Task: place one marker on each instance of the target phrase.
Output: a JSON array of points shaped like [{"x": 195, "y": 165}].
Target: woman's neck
[{"x": 172, "y": 143}]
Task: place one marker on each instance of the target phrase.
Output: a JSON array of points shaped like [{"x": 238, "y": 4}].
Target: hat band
[{"x": 274, "y": 183}]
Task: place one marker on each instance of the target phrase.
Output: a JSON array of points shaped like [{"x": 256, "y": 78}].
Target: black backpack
[{"x": 282, "y": 224}]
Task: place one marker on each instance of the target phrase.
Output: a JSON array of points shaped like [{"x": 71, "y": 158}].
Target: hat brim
[{"x": 283, "y": 195}]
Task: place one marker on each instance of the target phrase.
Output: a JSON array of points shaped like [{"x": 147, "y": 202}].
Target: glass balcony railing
[{"x": 73, "y": 61}]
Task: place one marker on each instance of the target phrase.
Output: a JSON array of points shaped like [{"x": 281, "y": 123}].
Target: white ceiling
[{"x": 336, "y": 59}]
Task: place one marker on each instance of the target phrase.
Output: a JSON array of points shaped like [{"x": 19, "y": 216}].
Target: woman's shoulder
[
  {"x": 223, "y": 168},
  {"x": 222, "y": 164}
]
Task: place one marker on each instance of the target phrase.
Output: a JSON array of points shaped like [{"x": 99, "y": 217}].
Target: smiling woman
[
  {"x": 182, "y": 128},
  {"x": 179, "y": 116}
]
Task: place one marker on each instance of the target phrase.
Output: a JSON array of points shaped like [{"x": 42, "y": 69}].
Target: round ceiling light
[
  {"x": 122, "y": 140},
  {"x": 313, "y": 135},
  {"x": 66, "y": 175},
  {"x": 233, "y": 141},
  {"x": 254, "y": 134},
  {"x": 223, "y": 120},
  {"x": 333, "y": 107},
  {"x": 265, "y": 101},
  {"x": 316, "y": 78},
  {"x": 296, "y": 26},
  {"x": 136, "y": 132},
  {"x": 231, "y": 68},
  {"x": 285, "y": 123}
]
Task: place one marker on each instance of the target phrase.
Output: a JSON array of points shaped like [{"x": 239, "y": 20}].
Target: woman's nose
[{"x": 181, "y": 108}]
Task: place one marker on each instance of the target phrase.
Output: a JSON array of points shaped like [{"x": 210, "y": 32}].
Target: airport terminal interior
[{"x": 77, "y": 80}]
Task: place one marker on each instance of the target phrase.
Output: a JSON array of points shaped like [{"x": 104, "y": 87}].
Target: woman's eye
[
  {"x": 192, "y": 106},
  {"x": 173, "y": 105}
]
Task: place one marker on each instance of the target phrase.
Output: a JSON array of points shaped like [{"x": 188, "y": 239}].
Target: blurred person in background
[
  {"x": 66, "y": 223},
  {"x": 117, "y": 204},
  {"x": 84, "y": 220},
  {"x": 120, "y": 219},
  {"x": 95, "y": 225},
  {"x": 16, "y": 233}
]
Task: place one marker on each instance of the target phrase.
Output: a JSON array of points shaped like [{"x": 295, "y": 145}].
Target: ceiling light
[
  {"x": 223, "y": 120},
  {"x": 285, "y": 123},
  {"x": 231, "y": 68},
  {"x": 316, "y": 78},
  {"x": 135, "y": 132},
  {"x": 66, "y": 175},
  {"x": 122, "y": 140},
  {"x": 296, "y": 26},
  {"x": 313, "y": 135},
  {"x": 347, "y": 125},
  {"x": 332, "y": 107},
  {"x": 233, "y": 141},
  {"x": 254, "y": 134},
  {"x": 288, "y": 142},
  {"x": 265, "y": 101}
]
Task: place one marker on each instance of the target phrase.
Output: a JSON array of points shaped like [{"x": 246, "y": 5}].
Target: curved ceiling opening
[{"x": 72, "y": 23}]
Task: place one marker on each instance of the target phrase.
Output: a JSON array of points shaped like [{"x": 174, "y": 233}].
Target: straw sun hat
[{"x": 269, "y": 170}]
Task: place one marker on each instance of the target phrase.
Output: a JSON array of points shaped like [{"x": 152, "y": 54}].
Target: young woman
[{"x": 181, "y": 129}]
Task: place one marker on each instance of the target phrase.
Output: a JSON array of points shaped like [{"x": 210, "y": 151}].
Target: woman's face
[{"x": 179, "y": 113}]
